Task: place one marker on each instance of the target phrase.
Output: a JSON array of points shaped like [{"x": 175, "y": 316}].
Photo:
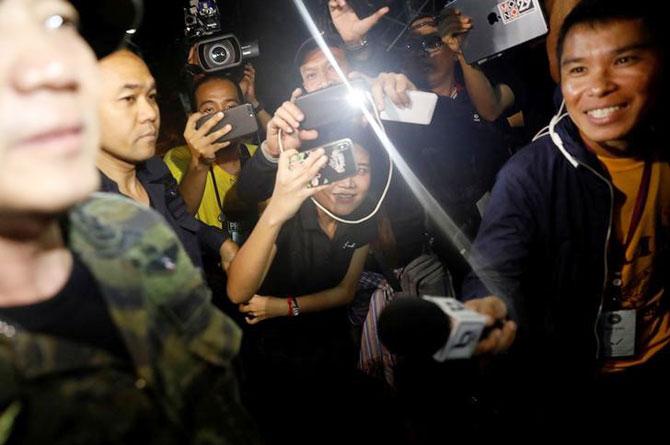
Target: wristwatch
[
  {"x": 353, "y": 47},
  {"x": 293, "y": 307}
]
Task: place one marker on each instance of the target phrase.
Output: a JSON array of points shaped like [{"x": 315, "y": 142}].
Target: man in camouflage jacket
[
  {"x": 135, "y": 353},
  {"x": 180, "y": 386}
]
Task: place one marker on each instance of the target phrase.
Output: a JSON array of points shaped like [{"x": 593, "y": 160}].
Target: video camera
[{"x": 214, "y": 50}]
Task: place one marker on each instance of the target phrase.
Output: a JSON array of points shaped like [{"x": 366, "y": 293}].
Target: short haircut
[
  {"x": 214, "y": 76},
  {"x": 598, "y": 12},
  {"x": 310, "y": 45},
  {"x": 128, "y": 45}
]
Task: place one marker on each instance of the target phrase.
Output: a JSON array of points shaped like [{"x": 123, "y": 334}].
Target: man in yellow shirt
[{"x": 207, "y": 171}]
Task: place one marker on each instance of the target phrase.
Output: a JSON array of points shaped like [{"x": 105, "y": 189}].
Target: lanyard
[
  {"x": 219, "y": 201},
  {"x": 640, "y": 203}
]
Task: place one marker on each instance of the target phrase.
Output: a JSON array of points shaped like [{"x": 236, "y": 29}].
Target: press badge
[{"x": 617, "y": 333}]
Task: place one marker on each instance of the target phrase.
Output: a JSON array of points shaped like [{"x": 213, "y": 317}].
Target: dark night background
[
  {"x": 280, "y": 31},
  {"x": 274, "y": 23}
]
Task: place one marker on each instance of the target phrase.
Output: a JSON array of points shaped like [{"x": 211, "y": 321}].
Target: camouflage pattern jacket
[{"x": 180, "y": 386}]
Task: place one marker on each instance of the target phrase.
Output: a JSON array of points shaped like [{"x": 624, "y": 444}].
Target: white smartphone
[{"x": 419, "y": 112}]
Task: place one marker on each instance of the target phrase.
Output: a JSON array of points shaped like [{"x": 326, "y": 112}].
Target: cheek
[
  {"x": 116, "y": 126},
  {"x": 572, "y": 91},
  {"x": 644, "y": 84},
  {"x": 363, "y": 184}
]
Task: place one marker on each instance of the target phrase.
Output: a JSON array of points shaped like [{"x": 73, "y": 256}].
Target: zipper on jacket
[{"x": 607, "y": 242}]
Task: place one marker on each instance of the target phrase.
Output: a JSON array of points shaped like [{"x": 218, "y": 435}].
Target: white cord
[
  {"x": 386, "y": 187},
  {"x": 557, "y": 139},
  {"x": 545, "y": 130}
]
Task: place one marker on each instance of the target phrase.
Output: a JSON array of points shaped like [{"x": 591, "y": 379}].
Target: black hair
[
  {"x": 364, "y": 136},
  {"x": 594, "y": 12},
  {"x": 309, "y": 45},
  {"x": 214, "y": 76},
  {"x": 127, "y": 44}
]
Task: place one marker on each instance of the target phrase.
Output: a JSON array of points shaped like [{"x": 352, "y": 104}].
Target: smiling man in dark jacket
[{"x": 574, "y": 246}]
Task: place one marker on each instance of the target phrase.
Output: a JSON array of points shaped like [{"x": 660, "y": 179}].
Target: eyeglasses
[{"x": 429, "y": 43}]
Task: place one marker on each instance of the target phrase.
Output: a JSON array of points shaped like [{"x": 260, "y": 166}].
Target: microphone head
[{"x": 412, "y": 326}]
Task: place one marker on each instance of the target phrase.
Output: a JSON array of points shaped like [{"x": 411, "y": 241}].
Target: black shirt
[
  {"x": 307, "y": 261},
  {"x": 163, "y": 190},
  {"x": 457, "y": 156},
  {"x": 77, "y": 313}
]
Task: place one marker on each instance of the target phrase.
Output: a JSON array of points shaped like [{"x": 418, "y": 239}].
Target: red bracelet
[{"x": 289, "y": 300}]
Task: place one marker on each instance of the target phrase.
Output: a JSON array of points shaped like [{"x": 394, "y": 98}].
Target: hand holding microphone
[
  {"x": 445, "y": 328},
  {"x": 501, "y": 332}
]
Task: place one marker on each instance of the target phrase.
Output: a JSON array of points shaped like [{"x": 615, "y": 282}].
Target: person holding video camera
[
  {"x": 130, "y": 120},
  {"x": 107, "y": 332},
  {"x": 207, "y": 170}
]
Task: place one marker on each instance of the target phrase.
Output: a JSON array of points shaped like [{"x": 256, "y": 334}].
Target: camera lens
[{"x": 218, "y": 54}]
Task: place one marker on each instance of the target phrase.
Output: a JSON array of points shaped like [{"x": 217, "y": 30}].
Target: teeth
[{"x": 603, "y": 112}]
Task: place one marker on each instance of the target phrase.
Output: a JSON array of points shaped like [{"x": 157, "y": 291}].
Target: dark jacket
[
  {"x": 197, "y": 237},
  {"x": 542, "y": 247}
]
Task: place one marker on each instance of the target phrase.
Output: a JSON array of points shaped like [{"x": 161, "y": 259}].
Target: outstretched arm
[{"x": 251, "y": 264}]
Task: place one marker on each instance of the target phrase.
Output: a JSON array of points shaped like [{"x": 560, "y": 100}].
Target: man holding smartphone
[
  {"x": 257, "y": 177},
  {"x": 207, "y": 170}
]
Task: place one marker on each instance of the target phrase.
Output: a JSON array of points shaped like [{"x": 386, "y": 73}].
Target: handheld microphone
[{"x": 429, "y": 325}]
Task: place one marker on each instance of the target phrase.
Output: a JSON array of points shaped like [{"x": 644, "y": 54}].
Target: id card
[{"x": 617, "y": 333}]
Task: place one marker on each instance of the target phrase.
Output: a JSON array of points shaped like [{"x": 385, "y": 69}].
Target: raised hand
[{"x": 351, "y": 28}]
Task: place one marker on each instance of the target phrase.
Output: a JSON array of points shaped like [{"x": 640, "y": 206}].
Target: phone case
[
  {"x": 420, "y": 112},
  {"x": 242, "y": 118},
  {"x": 341, "y": 163}
]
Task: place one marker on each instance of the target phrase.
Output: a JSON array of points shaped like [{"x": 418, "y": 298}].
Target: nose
[
  {"x": 148, "y": 110},
  {"x": 321, "y": 82},
  {"x": 43, "y": 64},
  {"x": 332, "y": 79},
  {"x": 601, "y": 84},
  {"x": 42, "y": 58},
  {"x": 348, "y": 183}
]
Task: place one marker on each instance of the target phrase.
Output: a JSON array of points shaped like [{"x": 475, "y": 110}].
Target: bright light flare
[{"x": 432, "y": 207}]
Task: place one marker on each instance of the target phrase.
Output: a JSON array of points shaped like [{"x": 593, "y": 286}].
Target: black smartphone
[
  {"x": 341, "y": 163},
  {"x": 329, "y": 105},
  {"x": 242, "y": 118}
]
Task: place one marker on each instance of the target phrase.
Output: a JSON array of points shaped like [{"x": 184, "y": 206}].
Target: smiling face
[
  {"x": 129, "y": 114},
  {"x": 609, "y": 78},
  {"x": 345, "y": 196},
  {"x": 48, "y": 122}
]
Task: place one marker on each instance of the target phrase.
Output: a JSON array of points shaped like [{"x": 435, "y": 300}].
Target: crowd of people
[{"x": 216, "y": 293}]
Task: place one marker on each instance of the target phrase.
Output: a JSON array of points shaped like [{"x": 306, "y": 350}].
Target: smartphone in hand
[
  {"x": 242, "y": 118},
  {"x": 419, "y": 112},
  {"x": 341, "y": 163}
]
